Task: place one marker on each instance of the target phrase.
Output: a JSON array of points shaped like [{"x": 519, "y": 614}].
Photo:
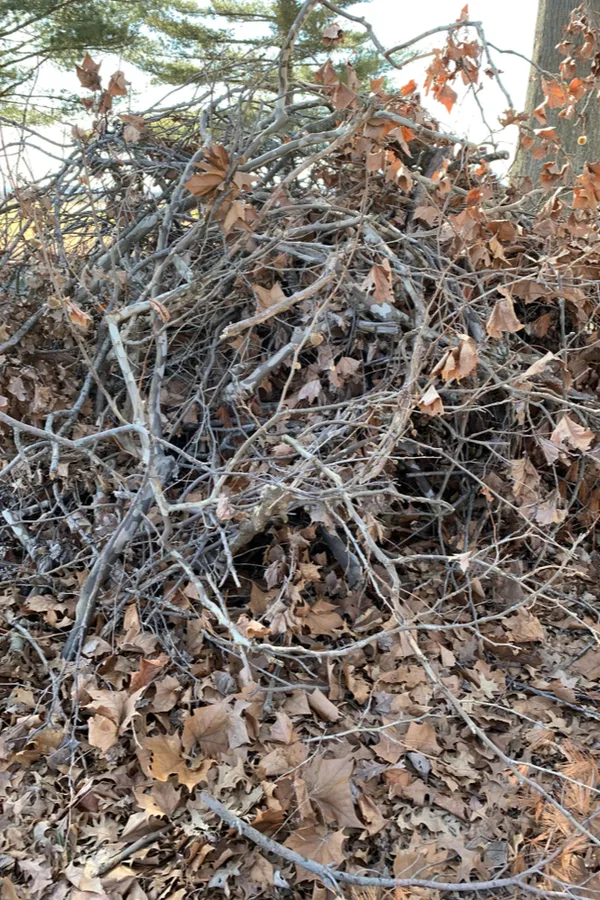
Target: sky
[{"x": 509, "y": 24}]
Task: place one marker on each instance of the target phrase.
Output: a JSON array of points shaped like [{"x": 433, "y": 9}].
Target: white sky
[{"x": 509, "y": 24}]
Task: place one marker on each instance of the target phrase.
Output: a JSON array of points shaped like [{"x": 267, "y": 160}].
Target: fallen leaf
[
  {"x": 422, "y": 736},
  {"x": 207, "y": 727},
  {"x": 323, "y": 707},
  {"x": 572, "y": 433},
  {"x": 167, "y": 760},
  {"x": 328, "y": 785},
  {"x": 316, "y": 844}
]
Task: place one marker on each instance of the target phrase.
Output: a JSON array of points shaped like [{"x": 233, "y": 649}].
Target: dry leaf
[
  {"x": 316, "y": 844},
  {"x": 208, "y": 727},
  {"x": 379, "y": 280},
  {"x": 422, "y": 736},
  {"x": 574, "y": 434},
  {"x": 268, "y": 297},
  {"x": 167, "y": 760},
  {"x": 431, "y": 403},
  {"x": 328, "y": 785},
  {"x": 503, "y": 319},
  {"x": 323, "y": 707}
]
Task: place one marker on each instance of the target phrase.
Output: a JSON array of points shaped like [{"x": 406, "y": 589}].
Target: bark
[{"x": 552, "y": 17}]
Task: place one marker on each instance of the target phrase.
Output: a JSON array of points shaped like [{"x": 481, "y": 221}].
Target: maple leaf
[
  {"x": 503, "y": 319},
  {"x": 554, "y": 92},
  {"x": 319, "y": 845},
  {"x": 167, "y": 760},
  {"x": 163, "y": 799},
  {"x": 328, "y": 785},
  {"x": 207, "y": 727},
  {"x": 117, "y": 86},
  {"x": 446, "y": 96},
  {"x": 87, "y": 73},
  {"x": 572, "y": 433}
]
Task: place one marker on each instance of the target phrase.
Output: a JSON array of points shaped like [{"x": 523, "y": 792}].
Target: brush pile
[{"x": 300, "y": 457}]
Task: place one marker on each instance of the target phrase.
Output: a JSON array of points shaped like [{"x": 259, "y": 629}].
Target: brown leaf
[
  {"x": 283, "y": 759},
  {"x": 548, "y": 513},
  {"x": 117, "y": 86},
  {"x": 333, "y": 35},
  {"x": 77, "y": 315},
  {"x": 380, "y": 279},
  {"x": 207, "y": 727},
  {"x": 162, "y": 800},
  {"x": 102, "y": 732},
  {"x": 323, "y": 707},
  {"x": 461, "y": 361},
  {"x": 526, "y": 481},
  {"x": 371, "y": 814},
  {"x": 524, "y": 627},
  {"x": 328, "y": 785},
  {"x": 503, "y": 318},
  {"x": 267, "y": 297},
  {"x": 322, "y": 618},
  {"x": 574, "y": 434},
  {"x": 167, "y": 760},
  {"x": 312, "y": 390},
  {"x": 167, "y": 694},
  {"x": 431, "y": 403},
  {"x": 262, "y": 872},
  {"x": 283, "y": 730},
  {"x": 422, "y": 736},
  {"x": 446, "y": 96},
  {"x": 316, "y": 844},
  {"x": 342, "y": 97},
  {"x": 149, "y": 669},
  {"x": 555, "y": 93},
  {"x": 87, "y": 73}
]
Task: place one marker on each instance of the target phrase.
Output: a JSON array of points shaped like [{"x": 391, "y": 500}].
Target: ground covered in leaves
[{"x": 299, "y": 493}]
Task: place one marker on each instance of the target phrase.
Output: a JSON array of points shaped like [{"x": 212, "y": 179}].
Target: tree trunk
[{"x": 552, "y": 17}]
